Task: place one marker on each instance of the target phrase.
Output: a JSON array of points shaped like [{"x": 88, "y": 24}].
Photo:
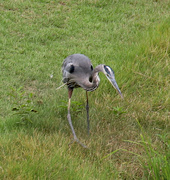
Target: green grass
[{"x": 129, "y": 138}]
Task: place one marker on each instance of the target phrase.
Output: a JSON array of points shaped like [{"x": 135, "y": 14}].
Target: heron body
[{"x": 77, "y": 72}]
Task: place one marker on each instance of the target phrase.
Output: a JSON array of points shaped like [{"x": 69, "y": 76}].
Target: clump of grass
[
  {"x": 118, "y": 111},
  {"x": 156, "y": 162},
  {"x": 22, "y": 104}
]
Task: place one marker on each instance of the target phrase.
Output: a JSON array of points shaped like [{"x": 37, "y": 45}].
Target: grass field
[{"x": 129, "y": 138}]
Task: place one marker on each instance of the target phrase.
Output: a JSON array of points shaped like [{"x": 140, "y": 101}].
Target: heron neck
[{"x": 91, "y": 86}]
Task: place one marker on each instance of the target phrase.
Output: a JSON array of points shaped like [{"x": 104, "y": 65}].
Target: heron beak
[{"x": 114, "y": 84}]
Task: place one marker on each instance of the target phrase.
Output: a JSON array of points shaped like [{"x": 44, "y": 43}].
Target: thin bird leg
[
  {"x": 87, "y": 109},
  {"x": 70, "y": 91}
]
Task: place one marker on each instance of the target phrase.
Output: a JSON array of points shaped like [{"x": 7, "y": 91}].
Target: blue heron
[{"x": 77, "y": 72}]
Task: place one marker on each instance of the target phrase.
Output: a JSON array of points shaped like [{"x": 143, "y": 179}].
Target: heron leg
[
  {"x": 70, "y": 91},
  {"x": 69, "y": 119},
  {"x": 87, "y": 109}
]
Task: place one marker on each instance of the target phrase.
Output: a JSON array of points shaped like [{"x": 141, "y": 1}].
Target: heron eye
[{"x": 108, "y": 75}]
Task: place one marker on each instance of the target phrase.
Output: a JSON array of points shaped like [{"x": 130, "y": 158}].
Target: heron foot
[{"x": 77, "y": 140}]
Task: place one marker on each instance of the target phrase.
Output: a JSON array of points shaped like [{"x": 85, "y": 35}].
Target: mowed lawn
[{"x": 129, "y": 138}]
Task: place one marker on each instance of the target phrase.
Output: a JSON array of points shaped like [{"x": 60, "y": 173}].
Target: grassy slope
[{"x": 130, "y": 36}]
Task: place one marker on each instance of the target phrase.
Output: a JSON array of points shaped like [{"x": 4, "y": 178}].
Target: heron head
[{"x": 111, "y": 77}]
